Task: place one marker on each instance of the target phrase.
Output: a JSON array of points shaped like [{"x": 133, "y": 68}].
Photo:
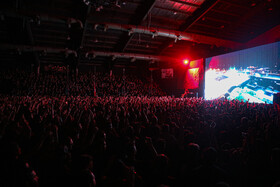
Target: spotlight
[
  {"x": 179, "y": 37},
  {"x": 154, "y": 33},
  {"x": 186, "y": 61},
  {"x": 129, "y": 32}
]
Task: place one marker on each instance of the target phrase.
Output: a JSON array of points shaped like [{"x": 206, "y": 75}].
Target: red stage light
[{"x": 186, "y": 62}]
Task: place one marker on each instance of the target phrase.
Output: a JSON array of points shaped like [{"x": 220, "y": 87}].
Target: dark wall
[
  {"x": 138, "y": 68},
  {"x": 172, "y": 86}
]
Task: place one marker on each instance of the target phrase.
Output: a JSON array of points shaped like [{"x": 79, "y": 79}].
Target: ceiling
[{"x": 121, "y": 31}]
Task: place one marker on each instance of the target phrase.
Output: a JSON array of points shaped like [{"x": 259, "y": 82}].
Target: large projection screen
[{"x": 248, "y": 75}]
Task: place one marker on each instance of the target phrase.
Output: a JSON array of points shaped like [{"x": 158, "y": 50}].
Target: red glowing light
[
  {"x": 186, "y": 62},
  {"x": 253, "y": 4}
]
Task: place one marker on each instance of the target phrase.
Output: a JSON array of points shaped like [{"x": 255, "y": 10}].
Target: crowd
[
  {"x": 108, "y": 130},
  {"x": 137, "y": 141},
  {"x": 84, "y": 84}
]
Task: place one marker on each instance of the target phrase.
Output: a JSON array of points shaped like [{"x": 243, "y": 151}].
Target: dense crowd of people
[
  {"x": 137, "y": 141},
  {"x": 84, "y": 84},
  {"x": 55, "y": 131}
]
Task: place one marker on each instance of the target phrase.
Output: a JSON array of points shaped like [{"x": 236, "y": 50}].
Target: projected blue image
[
  {"x": 250, "y": 75},
  {"x": 250, "y": 84}
]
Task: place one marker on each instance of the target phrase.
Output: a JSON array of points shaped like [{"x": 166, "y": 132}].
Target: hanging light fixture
[{"x": 100, "y": 4}]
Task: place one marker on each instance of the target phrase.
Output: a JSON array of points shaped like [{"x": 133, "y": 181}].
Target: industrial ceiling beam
[
  {"x": 234, "y": 4},
  {"x": 125, "y": 55},
  {"x": 142, "y": 46},
  {"x": 150, "y": 42},
  {"x": 231, "y": 35},
  {"x": 28, "y": 48},
  {"x": 198, "y": 14},
  {"x": 186, "y": 3},
  {"x": 209, "y": 26},
  {"x": 53, "y": 42},
  {"x": 141, "y": 14},
  {"x": 225, "y": 13},
  {"x": 145, "y": 51},
  {"x": 174, "y": 10},
  {"x": 217, "y": 20},
  {"x": 82, "y": 42},
  {"x": 32, "y": 41},
  {"x": 175, "y": 35},
  {"x": 29, "y": 32},
  {"x": 143, "y": 11},
  {"x": 86, "y": 24},
  {"x": 42, "y": 17},
  {"x": 246, "y": 18}
]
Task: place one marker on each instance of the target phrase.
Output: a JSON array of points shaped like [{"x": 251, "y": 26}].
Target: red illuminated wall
[
  {"x": 194, "y": 74},
  {"x": 192, "y": 78}
]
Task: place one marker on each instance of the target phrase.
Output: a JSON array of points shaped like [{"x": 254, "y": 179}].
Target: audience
[
  {"x": 59, "y": 84},
  {"x": 50, "y": 137}
]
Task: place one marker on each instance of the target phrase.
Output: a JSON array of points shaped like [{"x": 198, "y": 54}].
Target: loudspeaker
[{"x": 276, "y": 98}]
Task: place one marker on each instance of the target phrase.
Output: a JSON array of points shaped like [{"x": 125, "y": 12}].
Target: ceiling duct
[
  {"x": 176, "y": 35},
  {"x": 42, "y": 17},
  {"x": 27, "y": 48},
  {"x": 133, "y": 56},
  {"x": 124, "y": 55}
]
